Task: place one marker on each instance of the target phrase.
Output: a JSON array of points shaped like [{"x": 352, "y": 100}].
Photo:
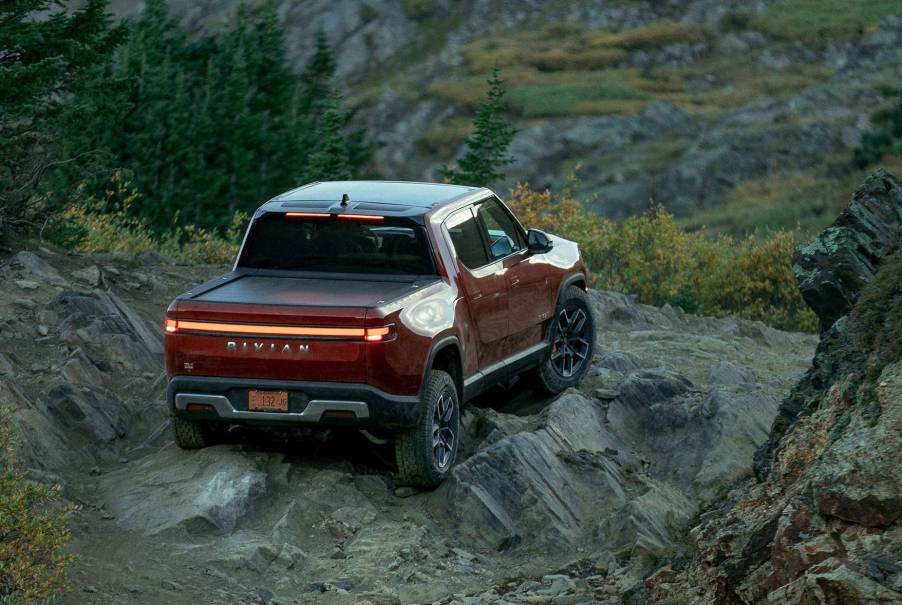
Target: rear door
[{"x": 483, "y": 283}]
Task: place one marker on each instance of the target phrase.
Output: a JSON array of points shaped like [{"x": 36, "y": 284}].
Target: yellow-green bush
[
  {"x": 90, "y": 225},
  {"x": 33, "y": 533},
  {"x": 653, "y": 257}
]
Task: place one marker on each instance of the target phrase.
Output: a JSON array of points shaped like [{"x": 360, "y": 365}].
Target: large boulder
[
  {"x": 211, "y": 490},
  {"x": 540, "y": 488},
  {"x": 35, "y": 267}
]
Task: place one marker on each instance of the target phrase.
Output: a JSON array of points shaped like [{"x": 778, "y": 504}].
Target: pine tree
[
  {"x": 43, "y": 62},
  {"x": 487, "y": 147},
  {"x": 330, "y": 160}
]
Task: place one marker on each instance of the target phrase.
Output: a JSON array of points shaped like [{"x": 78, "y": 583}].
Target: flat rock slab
[{"x": 210, "y": 490}]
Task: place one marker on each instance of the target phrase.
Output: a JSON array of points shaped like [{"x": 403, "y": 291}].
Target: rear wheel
[
  {"x": 572, "y": 343},
  {"x": 426, "y": 452},
  {"x": 195, "y": 434}
]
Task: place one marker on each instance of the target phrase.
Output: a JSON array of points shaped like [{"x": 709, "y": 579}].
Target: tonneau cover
[{"x": 310, "y": 291}]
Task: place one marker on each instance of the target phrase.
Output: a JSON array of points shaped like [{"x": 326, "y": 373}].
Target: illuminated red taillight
[
  {"x": 377, "y": 334},
  {"x": 307, "y": 214},
  {"x": 362, "y": 217},
  {"x": 171, "y": 325}
]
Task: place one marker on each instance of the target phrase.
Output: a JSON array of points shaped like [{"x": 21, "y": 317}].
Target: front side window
[
  {"x": 467, "y": 240},
  {"x": 330, "y": 244},
  {"x": 501, "y": 232}
]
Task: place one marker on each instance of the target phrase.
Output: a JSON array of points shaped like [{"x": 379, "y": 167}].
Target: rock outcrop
[
  {"x": 833, "y": 269},
  {"x": 821, "y": 525}
]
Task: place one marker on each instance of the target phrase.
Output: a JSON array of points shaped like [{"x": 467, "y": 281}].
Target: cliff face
[{"x": 822, "y": 524}]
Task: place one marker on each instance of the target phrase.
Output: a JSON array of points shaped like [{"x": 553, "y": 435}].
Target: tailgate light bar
[{"x": 369, "y": 334}]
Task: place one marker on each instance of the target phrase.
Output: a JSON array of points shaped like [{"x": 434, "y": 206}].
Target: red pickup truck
[{"x": 377, "y": 305}]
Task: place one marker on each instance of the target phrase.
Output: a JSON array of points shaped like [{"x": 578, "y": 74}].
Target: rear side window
[
  {"x": 467, "y": 240},
  {"x": 334, "y": 245}
]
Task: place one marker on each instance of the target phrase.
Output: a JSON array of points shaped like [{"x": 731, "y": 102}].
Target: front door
[
  {"x": 484, "y": 283},
  {"x": 528, "y": 290}
]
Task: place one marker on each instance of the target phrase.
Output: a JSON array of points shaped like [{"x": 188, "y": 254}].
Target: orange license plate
[{"x": 267, "y": 401}]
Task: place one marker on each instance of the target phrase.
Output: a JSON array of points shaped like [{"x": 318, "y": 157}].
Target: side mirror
[{"x": 538, "y": 241}]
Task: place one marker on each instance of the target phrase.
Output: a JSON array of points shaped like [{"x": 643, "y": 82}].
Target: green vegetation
[
  {"x": 815, "y": 22},
  {"x": 202, "y": 127},
  {"x": 33, "y": 533},
  {"x": 653, "y": 257},
  {"x": 43, "y": 63},
  {"x": 487, "y": 147},
  {"x": 886, "y": 137}
]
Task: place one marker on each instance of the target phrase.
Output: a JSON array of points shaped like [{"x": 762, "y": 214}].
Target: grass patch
[
  {"x": 802, "y": 200},
  {"x": 570, "y": 47},
  {"x": 562, "y": 99},
  {"x": 654, "y": 35},
  {"x": 817, "y": 22}
]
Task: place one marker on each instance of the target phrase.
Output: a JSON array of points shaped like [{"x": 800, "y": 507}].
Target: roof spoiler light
[{"x": 354, "y": 217}]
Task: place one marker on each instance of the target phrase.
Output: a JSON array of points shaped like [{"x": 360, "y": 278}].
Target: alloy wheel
[
  {"x": 570, "y": 348},
  {"x": 443, "y": 430}
]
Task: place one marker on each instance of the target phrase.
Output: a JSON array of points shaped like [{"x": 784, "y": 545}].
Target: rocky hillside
[
  {"x": 822, "y": 525},
  {"x": 733, "y": 114},
  {"x": 567, "y": 500}
]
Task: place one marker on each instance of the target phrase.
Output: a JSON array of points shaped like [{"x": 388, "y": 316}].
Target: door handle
[
  {"x": 515, "y": 281},
  {"x": 476, "y": 295}
]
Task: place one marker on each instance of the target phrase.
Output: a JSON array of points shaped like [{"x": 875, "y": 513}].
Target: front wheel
[
  {"x": 572, "y": 338},
  {"x": 426, "y": 452}
]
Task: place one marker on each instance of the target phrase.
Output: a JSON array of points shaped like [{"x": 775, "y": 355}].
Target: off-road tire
[
  {"x": 195, "y": 434},
  {"x": 415, "y": 449},
  {"x": 546, "y": 377}
]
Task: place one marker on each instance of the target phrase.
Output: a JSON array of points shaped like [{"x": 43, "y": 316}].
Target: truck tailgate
[{"x": 288, "y": 328}]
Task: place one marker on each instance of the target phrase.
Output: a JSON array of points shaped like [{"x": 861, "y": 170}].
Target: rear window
[{"x": 337, "y": 245}]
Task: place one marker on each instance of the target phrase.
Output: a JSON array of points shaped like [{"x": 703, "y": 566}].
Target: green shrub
[
  {"x": 886, "y": 137},
  {"x": 33, "y": 532},
  {"x": 653, "y": 257},
  {"x": 89, "y": 225}
]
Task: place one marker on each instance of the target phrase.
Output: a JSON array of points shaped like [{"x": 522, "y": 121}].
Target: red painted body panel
[{"x": 491, "y": 314}]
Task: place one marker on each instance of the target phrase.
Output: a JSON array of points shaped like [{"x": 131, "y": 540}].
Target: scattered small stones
[
  {"x": 27, "y": 284},
  {"x": 43, "y": 330},
  {"x": 172, "y": 585}
]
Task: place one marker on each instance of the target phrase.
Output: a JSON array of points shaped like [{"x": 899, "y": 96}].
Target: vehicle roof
[{"x": 390, "y": 198}]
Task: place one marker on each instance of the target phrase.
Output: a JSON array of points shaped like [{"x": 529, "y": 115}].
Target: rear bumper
[{"x": 324, "y": 403}]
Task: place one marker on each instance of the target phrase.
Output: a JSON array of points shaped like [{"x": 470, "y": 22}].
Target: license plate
[{"x": 267, "y": 401}]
